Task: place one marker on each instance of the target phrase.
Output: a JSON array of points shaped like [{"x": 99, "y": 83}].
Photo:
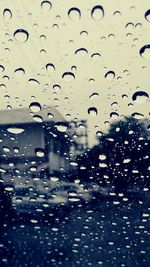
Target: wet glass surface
[{"x": 74, "y": 133}]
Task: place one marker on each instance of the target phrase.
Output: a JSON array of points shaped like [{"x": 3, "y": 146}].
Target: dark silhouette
[{"x": 121, "y": 158}]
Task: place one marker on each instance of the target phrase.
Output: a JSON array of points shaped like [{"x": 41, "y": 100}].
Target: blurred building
[{"x": 33, "y": 143}]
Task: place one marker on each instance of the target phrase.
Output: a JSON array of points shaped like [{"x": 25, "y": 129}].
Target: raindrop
[
  {"x": 54, "y": 179},
  {"x": 1, "y": 68},
  {"x": 9, "y": 188},
  {"x": 92, "y": 111},
  {"x": 114, "y": 115},
  {"x": 19, "y": 71},
  {"x": 147, "y": 15},
  {"x": 7, "y": 14},
  {"x": 74, "y": 14},
  {"x": 68, "y": 76},
  {"x": 61, "y": 127},
  {"x": 93, "y": 96},
  {"x": 56, "y": 87},
  {"x": 15, "y": 130},
  {"x": 95, "y": 56},
  {"x": 110, "y": 75},
  {"x": 50, "y": 115},
  {"x": 84, "y": 33},
  {"x": 37, "y": 118},
  {"x": 137, "y": 115},
  {"x": 21, "y": 35},
  {"x": 46, "y": 5},
  {"x": 39, "y": 152},
  {"x": 97, "y": 13},
  {"x": 140, "y": 97},
  {"x": 35, "y": 107},
  {"x": 33, "y": 82},
  {"x": 81, "y": 52},
  {"x": 145, "y": 51},
  {"x": 50, "y": 67}
]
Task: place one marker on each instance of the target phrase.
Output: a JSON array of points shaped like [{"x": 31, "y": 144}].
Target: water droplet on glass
[
  {"x": 93, "y": 96},
  {"x": 39, "y": 152},
  {"x": 61, "y": 127},
  {"x": 137, "y": 115},
  {"x": 46, "y": 5},
  {"x": 21, "y": 35},
  {"x": 92, "y": 111},
  {"x": 35, "y": 107},
  {"x": 50, "y": 67},
  {"x": 147, "y": 15},
  {"x": 114, "y": 115},
  {"x": 7, "y": 14},
  {"x": 74, "y": 14},
  {"x": 145, "y": 51},
  {"x": 97, "y": 13},
  {"x": 2, "y": 68},
  {"x": 19, "y": 71},
  {"x": 33, "y": 82},
  {"x": 15, "y": 130},
  {"x": 68, "y": 76},
  {"x": 37, "y": 118},
  {"x": 110, "y": 75},
  {"x": 81, "y": 52},
  {"x": 140, "y": 97}
]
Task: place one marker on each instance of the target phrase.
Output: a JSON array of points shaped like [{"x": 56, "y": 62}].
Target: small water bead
[
  {"x": 92, "y": 111},
  {"x": 7, "y": 14},
  {"x": 68, "y": 76},
  {"x": 145, "y": 51},
  {"x": 39, "y": 152},
  {"x": 74, "y": 14},
  {"x": 35, "y": 107},
  {"x": 21, "y": 35},
  {"x": 97, "y": 13},
  {"x": 50, "y": 115},
  {"x": 46, "y": 5},
  {"x": 140, "y": 97},
  {"x": 2, "y": 68},
  {"x": 114, "y": 115},
  {"x": 84, "y": 33}
]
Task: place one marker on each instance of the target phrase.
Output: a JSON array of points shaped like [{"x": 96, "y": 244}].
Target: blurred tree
[{"x": 122, "y": 156}]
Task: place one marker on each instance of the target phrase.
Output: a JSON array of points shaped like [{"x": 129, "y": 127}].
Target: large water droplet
[
  {"x": 50, "y": 67},
  {"x": 7, "y": 14},
  {"x": 21, "y": 35},
  {"x": 46, "y": 5},
  {"x": 74, "y": 14},
  {"x": 92, "y": 111},
  {"x": 97, "y": 13},
  {"x": 137, "y": 115},
  {"x": 37, "y": 118},
  {"x": 81, "y": 52},
  {"x": 15, "y": 130},
  {"x": 33, "y": 82},
  {"x": 35, "y": 107},
  {"x": 145, "y": 51},
  {"x": 140, "y": 97},
  {"x": 110, "y": 75},
  {"x": 68, "y": 76},
  {"x": 61, "y": 127}
]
